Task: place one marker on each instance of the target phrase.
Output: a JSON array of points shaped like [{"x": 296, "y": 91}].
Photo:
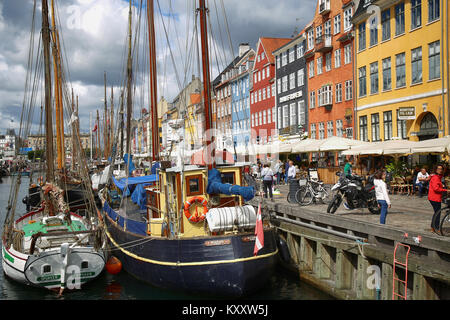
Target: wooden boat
[
  {"x": 52, "y": 247},
  {"x": 194, "y": 231}
]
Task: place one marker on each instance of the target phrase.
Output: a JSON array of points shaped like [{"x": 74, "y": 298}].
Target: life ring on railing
[{"x": 196, "y": 217}]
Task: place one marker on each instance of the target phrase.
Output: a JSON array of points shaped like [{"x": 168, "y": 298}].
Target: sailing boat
[
  {"x": 51, "y": 247},
  {"x": 196, "y": 234}
]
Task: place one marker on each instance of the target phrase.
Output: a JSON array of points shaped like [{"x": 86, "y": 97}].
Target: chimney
[{"x": 243, "y": 48}]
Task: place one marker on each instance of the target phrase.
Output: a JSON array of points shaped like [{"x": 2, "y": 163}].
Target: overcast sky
[{"x": 94, "y": 42}]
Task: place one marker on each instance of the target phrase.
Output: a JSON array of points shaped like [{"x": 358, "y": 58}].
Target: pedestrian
[
  {"x": 278, "y": 170},
  {"x": 348, "y": 168},
  {"x": 267, "y": 176},
  {"x": 286, "y": 169},
  {"x": 381, "y": 194},
  {"x": 291, "y": 173},
  {"x": 422, "y": 180},
  {"x": 435, "y": 196}
]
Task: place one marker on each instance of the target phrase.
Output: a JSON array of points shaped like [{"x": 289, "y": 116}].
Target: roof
[
  {"x": 218, "y": 79},
  {"x": 271, "y": 44}
]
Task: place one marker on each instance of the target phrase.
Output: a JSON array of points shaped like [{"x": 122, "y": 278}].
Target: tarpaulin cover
[
  {"x": 215, "y": 185},
  {"x": 122, "y": 183},
  {"x": 157, "y": 165},
  {"x": 131, "y": 225},
  {"x": 131, "y": 167},
  {"x": 139, "y": 196}
]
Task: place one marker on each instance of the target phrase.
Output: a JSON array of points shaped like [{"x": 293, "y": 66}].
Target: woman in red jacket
[{"x": 435, "y": 196}]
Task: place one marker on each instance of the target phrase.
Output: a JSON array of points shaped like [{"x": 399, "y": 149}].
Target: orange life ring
[{"x": 196, "y": 217}]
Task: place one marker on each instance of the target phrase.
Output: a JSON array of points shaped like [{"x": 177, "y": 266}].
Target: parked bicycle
[
  {"x": 444, "y": 225},
  {"x": 312, "y": 191}
]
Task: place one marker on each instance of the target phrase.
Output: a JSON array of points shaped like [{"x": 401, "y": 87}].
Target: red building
[
  {"x": 262, "y": 93},
  {"x": 329, "y": 70}
]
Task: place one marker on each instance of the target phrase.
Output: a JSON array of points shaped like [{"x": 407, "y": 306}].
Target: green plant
[{"x": 397, "y": 168}]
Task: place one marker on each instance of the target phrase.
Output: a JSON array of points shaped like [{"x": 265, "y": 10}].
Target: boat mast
[
  {"x": 105, "y": 131},
  {"x": 73, "y": 132},
  {"x": 98, "y": 138},
  {"x": 153, "y": 80},
  {"x": 50, "y": 177},
  {"x": 58, "y": 93},
  {"x": 129, "y": 85},
  {"x": 111, "y": 131},
  {"x": 210, "y": 154}
]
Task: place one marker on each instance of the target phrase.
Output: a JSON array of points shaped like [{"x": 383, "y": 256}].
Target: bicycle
[
  {"x": 312, "y": 191},
  {"x": 444, "y": 225}
]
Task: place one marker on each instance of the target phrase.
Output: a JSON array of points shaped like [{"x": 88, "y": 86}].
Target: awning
[{"x": 438, "y": 145}]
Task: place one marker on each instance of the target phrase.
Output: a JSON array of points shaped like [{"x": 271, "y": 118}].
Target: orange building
[{"x": 329, "y": 70}]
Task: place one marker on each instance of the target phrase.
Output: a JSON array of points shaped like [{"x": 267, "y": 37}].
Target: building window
[
  {"x": 374, "y": 78},
  {"x": 328, "y": 62},
  {"x": 264, "y": 93},
  {"x": 416, "y": 13},
  {"x": 375, "y": 124},
  {"x": 300, "y": 77},
  {"x": 268, "y": 92},
  {"x": 386, "y": 25},
  {"x": 400, "y": 19},
  {"x": 348, "y": 90},
  {"x": 284, "y": 83},
  {"x": 279, "y": 114},
  {"x": 325, "y": 95},
  {"x": 400, "y": 70},
  {"x": 278, "y": 62},
  {"x": 339, "y": 128},
  {"x": 362, "y": 36},
  {"x": 301, "y": 113},
  {"x": 330, "y": 129},
  {"x": 299, "y": 51},
  {"x": 267, "y": 72},
  {"x": 434, "y": 63},
  {"x": 253, "y": 120},
  {"x": 291, "y": 55},
  {"x": 319, "y": 32},
  {"x": 363, "y": 133},
  {"x": 264, "y": 117},
  {"x": 285, "y": 116},
  {"x": 312, "y": 99},
  {"x": 337, "y": 24},
  {"x": 347, "y": 19},
  {"x": 284, "y": 59},
  {"x": 269, "y": 120},
  {"x": 321, "y": 130},
  {"x": 279, "y": 85},
  {"x": 310, "y": 39},
  {"x": 260, "y": 118},
  {"x": 416, "y": 65},
  {"x": 311, "y": 69},
  {"x": 347, "y": 54},
  {"x": 387, "y": 122},
  {"x": 338, "y": 92},
  {"x": 273, "y": 90},
  {"x": 373, "y": 31},
  {"x": 362, "y": 81},
  {"x": 337, "y": 58},
  {"x": 292, "y": 81},
  {"x": 387, "y": 78},
  {"x": 313, "y": 131},
  {"x": 433, "y": 10},
  {"x": 401, "y": 128},
  {"x": 319, "y": 65},
  {"x": 293, "y": 114}
]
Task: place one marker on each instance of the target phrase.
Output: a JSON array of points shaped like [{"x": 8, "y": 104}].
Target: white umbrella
[
  {"x": 339, "y": 143},
  {"x": 301, "y": 146},
  {"x": 438, "y": 145}
]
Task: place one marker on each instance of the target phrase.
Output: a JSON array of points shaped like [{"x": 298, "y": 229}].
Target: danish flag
[{"x": 259, "y": 232}]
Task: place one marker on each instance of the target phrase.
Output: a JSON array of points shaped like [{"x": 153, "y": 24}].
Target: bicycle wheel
[
  {"x": 326, "y": 191},
  {"x": 305, "y": 198},
  {"x": 299, "y": 194},
  {"x": 444, "y": 227},
  {"x": 290, "y": 198}
]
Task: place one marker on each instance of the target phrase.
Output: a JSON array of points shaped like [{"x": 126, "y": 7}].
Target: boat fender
[
  {"x": 196, "y": 217},
  {"x": 284, "y": 250}
]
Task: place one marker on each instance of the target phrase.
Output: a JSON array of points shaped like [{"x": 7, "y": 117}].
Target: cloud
[{"x": 94, "y": 40}]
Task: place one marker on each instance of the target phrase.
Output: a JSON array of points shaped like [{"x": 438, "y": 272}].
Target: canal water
[{"x": 282, "y": 286}]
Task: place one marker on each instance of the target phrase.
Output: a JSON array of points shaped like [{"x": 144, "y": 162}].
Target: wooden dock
[{"x": 350, "y": 255}]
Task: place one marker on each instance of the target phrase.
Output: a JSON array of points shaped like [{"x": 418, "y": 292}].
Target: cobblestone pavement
[{"x": 406, "y": 213}]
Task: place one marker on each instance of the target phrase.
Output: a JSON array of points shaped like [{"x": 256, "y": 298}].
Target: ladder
[{"x": 404, "y": 265}]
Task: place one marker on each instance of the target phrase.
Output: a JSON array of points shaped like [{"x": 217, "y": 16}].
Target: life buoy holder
[{"x": 196, "y": 217}]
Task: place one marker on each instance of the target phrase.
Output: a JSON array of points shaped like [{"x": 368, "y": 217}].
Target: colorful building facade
[
  {"x": 402, "y": 69},
  {"x": 329, "y": 70},
  {"x": 263, "y": 91}
]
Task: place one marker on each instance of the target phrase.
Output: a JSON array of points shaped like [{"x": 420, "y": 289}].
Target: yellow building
[{"x": 400, "y": 75}]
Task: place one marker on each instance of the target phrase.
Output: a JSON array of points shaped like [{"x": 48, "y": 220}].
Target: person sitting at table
[{"x": 422, "y": 180}]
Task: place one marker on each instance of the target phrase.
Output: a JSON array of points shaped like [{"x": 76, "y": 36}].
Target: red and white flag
[
  {"x": 95, "y": 128},
  {"x": 259, "y": 232}
]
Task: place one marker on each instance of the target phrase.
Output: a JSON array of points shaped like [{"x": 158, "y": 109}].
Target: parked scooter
[{"x": 355, "y": 194}]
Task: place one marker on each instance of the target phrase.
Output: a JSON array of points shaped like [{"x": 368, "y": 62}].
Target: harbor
[{"x": 159, "y": 152}]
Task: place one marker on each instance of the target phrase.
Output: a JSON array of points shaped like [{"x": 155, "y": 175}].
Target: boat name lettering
[
  {"x": 49, "y": 277},
  {"x": 217, "y": 242},
  {"x": 248, "y": 238}
]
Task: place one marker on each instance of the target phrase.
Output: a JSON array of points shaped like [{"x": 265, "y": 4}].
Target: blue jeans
[
  {"x": 383, "y": 214},
  {"x": 278, "y": 178},
  {"x": 436, "y": 219},
  {"x": 421, "y": 186}
]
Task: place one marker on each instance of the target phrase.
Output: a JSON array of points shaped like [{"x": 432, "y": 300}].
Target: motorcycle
[{"x": 356, "y": 195}]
